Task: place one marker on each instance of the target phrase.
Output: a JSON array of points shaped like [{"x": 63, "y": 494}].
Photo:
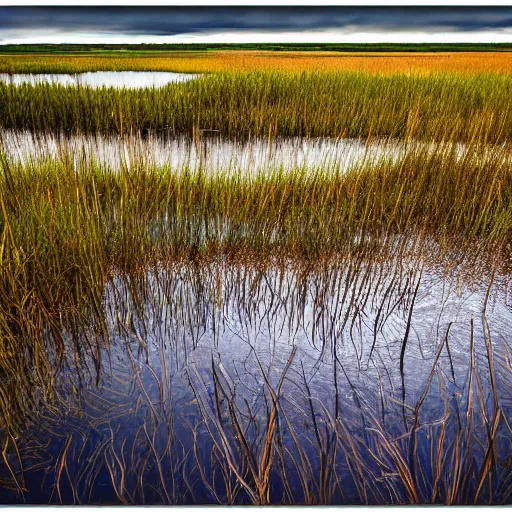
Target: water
[
  {"x": 195, "y": 358},
  {"x": 212, "y": 152},
  {"x": 98, "y": 79},
  {"x": 168, "y": 390}
]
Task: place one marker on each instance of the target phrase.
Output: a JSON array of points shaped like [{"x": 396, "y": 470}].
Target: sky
[{"x": 227, "y": 24}]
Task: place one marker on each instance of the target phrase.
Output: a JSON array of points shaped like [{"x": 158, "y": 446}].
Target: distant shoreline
[{"x": 310, "y": 47}]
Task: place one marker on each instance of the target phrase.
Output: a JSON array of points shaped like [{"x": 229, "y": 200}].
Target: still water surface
[
  {"x": 98, "y": 79},
  {"x": 212, "y": 152},
  {"x": 178, "y": 397}
]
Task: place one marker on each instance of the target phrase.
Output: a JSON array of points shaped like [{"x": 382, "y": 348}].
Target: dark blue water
[{"x": 180, "y": 395}]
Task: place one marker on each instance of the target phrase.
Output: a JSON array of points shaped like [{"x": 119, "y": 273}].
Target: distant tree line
[{"x": 338, "y": 47}]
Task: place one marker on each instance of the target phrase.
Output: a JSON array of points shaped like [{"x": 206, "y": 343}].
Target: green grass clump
[
  {"x": 434, "y": 108},
  {"x": 65, "y": 202}
]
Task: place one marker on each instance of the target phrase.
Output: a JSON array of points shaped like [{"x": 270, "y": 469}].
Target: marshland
[{"x": 282, "y": 279}]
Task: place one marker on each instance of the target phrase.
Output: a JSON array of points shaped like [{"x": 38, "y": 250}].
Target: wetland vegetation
[
  {"x": 335, "y": 105},
  {"x": 256, "y": 288},
  {"x": 377, "y": 62}
]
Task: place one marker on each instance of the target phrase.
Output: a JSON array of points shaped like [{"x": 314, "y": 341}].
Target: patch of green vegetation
[
  {"x": 434, "y": 108},
  {"x": 311, "y": 47}
]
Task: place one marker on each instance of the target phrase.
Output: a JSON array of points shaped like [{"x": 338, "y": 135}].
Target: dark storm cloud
[{"x": 180, "y": 20}]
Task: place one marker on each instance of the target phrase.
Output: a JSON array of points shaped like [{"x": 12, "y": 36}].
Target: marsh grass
[
  {"x": 116, "y": 277},
  {"x": 67, "y": 225},
  {"x": 434, "y": 108},
  {"x": 313, "y": 210},
  {"x": 467, "y": 63}
]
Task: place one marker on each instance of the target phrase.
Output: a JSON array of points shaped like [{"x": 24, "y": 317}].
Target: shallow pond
[
  {"x": 212, "y": 152},
  {"x": 98, "y": 79},
  {"x": 200, "y": 370}
]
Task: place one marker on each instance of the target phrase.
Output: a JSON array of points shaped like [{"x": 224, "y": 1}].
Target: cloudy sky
[{"x": 226, "y": 24}]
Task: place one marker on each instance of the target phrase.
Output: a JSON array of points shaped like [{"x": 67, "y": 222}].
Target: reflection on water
[
  {"x": 213, "y": 152},
  {"x": 98, "y": 79},
  {"x": 223, "y": 383}
]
